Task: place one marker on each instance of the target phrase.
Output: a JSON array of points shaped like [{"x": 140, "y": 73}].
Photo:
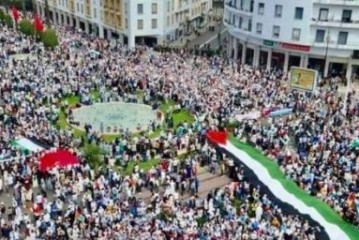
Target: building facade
[
  {"x": 316, "y": 34},
  {"x": 132, "y": 21}
]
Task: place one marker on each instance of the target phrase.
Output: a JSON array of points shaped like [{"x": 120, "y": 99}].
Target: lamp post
[{"x": 327, "y": 39}]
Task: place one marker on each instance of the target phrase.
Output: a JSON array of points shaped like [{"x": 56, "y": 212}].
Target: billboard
[{"x": 303, "y": 78}]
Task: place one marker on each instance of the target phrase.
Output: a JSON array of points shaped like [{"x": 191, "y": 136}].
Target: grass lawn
[
  {"x": 178, "y": 118},
  {"x": 145, "y": 166}
]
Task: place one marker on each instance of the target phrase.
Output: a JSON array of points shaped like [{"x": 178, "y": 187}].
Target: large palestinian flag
[{"x": 283, "y": 192}]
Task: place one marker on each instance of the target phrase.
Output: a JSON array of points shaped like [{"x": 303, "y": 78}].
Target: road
[
  {"x": 209, "y": 37},
  {"x": 207, "y": 182}
]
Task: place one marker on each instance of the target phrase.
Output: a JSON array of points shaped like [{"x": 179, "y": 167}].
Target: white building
[
  {"x": 133, "y": 21},
  {"x": 318, "y": 34}
]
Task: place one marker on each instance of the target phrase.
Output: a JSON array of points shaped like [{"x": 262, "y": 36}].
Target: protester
[{"x": 312, "y": 145}]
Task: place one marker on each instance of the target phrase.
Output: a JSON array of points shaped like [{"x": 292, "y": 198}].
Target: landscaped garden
[{"x": 95, "y": 153}]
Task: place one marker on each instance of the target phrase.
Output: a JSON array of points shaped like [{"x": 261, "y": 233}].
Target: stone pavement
[{"x": 207, "y": 182}]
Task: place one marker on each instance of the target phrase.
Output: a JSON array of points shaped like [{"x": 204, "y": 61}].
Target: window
[
  {"x": 276, "y": 31},
  {"x": 296, "y": 34},
  {"x": 278, "y": 11},
  {"x": 139, "y": 24},
  {"x": 240, "y": 22},
  {"x": 347, "y": 16},
  {"x": 298, "y": 13},
  {"x": 260, "y": 8},
  {"x": 342, "y": 38},
  {"x": 154, "y": 23},
  {"x": 168, "y": 21},
  {"x": 319, "y": 36},
  {"x": 259, "y": 28},
  {"x": 154, "y": 8},
  {"x": 126, "y": 23},
  {"x": 323, "y": 14},
  {"x": 168, "y": 6},
  {"x": 241, "y": 4},
  {"x": 250, "y": 25},
  {"x": 94, "y": 13},
  {"x": 140, "y": 8}
]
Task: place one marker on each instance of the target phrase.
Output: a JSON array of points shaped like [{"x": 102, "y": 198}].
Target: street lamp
[{"x": 327, "y": 39}]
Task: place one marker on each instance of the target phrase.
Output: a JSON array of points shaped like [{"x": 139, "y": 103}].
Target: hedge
[
  {"x": 7, "y": 20},
  {"x": 26, "y": 27},
  {"x": 49, "y": 38},
  {"x": 2, "y": 15}
]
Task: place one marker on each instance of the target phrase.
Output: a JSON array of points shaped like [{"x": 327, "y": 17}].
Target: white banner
[{"x": 248, "y": 116}]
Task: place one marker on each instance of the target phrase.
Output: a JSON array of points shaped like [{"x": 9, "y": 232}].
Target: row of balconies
[
  {"x": 343, "y": 23},
  {"x": 241, "y": 9},
  {"x": 337, "y": 2},
  {"x": 331, "y": 44}
]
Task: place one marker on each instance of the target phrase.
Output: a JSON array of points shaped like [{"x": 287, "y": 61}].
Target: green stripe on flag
[
  {"x": 24, "y": 151},
  {"x": 327, "y": 213}
]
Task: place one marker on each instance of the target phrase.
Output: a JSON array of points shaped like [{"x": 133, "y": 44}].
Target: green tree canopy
[
  {"x": 8, "y": 20},
  {"x": 49, "y": 38},
  {"x": 26, "y": 27}
]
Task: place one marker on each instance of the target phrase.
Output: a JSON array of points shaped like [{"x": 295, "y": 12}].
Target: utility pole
[
  {"x": 47, "y": 13},
  {"x": 6, "y": 4},
  {"x": 34, "y": 7},
  {"x": 327, "y": 39},
  {"x": 23, "y": 6}
]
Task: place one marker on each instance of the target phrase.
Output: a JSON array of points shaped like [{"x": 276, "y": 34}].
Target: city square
[{"x": 179, "y": 119}]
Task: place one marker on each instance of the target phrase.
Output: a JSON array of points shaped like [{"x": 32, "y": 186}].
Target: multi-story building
[
  {"x": 317, "y": 34},
  {"x": 133, "y": 21}
]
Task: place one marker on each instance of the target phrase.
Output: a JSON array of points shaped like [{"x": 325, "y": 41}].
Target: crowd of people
[{"x": 312, "y": 145}]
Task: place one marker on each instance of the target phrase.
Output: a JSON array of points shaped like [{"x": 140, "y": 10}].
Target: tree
[
  {"x": 8, "y": 20},
  {"x": 49, "y": 38},
  {"x": 93, "y": 155},
  {"x": 2, "y": 15},
  {"x": 26, "y": 27}
]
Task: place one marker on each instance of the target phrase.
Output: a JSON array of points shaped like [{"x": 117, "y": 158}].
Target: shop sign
[
  {"x": 268, "y": 43},
  {"x": 296, "y": 47}
]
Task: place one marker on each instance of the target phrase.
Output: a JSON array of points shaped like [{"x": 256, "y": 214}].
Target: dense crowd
[{"x": 312, "y": 145}]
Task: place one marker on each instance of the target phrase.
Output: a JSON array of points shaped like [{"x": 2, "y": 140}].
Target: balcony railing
[
  {"x": 238, "y": 28},
  {"x": 239, "y": 9},
  {"x": 337, "y": 2},
  {"x": 345, "y": 23}
]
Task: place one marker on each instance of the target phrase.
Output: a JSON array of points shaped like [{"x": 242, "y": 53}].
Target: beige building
[{"x": 132, "y": 21}]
